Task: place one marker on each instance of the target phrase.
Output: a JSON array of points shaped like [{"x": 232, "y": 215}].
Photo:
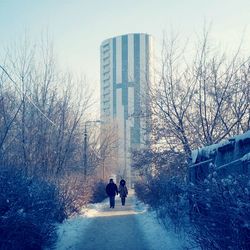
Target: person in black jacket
[{"x": 112, "y": 191}]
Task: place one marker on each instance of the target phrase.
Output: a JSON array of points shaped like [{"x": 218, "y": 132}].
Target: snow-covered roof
[
  {"x": 208, "y": 150},
  {"x": 246, "y": 157}
]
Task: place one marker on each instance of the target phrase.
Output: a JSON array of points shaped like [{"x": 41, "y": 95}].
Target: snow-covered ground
[
  {"x": 71, "y": 230},
  {"x": 157, "y": 236},
  {"x": 153, "y": 236}
]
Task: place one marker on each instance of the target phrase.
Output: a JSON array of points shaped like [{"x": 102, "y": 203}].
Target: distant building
[{"x": 126, "y": 73}]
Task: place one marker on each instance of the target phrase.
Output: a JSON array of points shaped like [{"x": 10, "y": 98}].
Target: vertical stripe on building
[
  {"x": 131, "y": 58},
  {"x": 125, "y": 75},
  {"x": 136, "y": 129},
  {"x": 114, "y": 77},
  {"x": 147, "y": 53},
  {"x": 125, "y": 90},
  {"x": 118, "y": 60}
]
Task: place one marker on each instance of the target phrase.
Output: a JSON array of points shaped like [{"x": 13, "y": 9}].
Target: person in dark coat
[
  {"x": 123, "y": 191},
  {"x": 112, "y": 191}
]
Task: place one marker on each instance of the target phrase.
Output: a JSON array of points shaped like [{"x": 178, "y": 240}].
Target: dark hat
[{"x": 122, "y": 182}]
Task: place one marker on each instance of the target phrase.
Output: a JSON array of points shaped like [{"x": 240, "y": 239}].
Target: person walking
[
  {"x": 112, "y": 191},
  {"x": 123, "y": 191}
]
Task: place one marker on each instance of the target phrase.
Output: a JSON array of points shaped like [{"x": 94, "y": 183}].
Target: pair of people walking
[{"x": 112, "y": 191}]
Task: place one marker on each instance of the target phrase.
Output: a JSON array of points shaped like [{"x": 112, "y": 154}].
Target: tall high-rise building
[{"x": 126, "y": 66}]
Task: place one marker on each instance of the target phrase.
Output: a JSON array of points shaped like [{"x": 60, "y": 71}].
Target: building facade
[{"x": 126, "y": 74}]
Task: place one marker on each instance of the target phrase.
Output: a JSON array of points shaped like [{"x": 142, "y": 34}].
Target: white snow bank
[
  {"x": 246, "y": 157},
  {"x": 242, "y": 136},
  {"x": 71, "y": 230},
  {"x": 194, "y": 155},
  {"x": 93, "y": 209},
  {"x": 157, "y": 237},
  {"x": 68, "y": 232}
]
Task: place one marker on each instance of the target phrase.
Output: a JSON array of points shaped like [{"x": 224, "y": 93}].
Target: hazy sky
[{"x": 77, "y": 27}]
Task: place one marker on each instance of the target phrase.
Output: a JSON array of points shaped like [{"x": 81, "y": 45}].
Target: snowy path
[
  {"x": 114, "y": 228},
  {"x": 127, "y": 227}
]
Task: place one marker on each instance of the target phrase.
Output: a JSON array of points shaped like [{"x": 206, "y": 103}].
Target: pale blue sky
[{"x": 77, "y": 27}]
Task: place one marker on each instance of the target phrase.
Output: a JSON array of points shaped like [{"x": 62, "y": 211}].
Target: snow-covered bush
[
  {"x": 74, "y": 193},
  {"x": 143, "y": 191},
  {"x": 164, "y": 189},
  {"x": 220, "y": 212},
  {"x": 215, "y": 212},
  {"x": 29, "y": 209},
  {"x": 173, "y": 203},
  {"x": 98, "y": 191}
]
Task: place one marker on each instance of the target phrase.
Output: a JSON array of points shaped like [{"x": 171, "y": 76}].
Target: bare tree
[
  {"x": 102, "y": 151},
  {"x": 42, "y": 111},
  {"x": 199, "y": 101}
]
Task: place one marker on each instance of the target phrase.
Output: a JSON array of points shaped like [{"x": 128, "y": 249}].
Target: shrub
[
  {"x": 221, "y": 212},
  {"x": 163, "y": 187},
  {"x": 167, "y": 196},
  {"x": 143, "y": 191},
  {"x": 218, "y": 209},
  {"x": 99, "y": 192},
  {"x": 74, "y": 193},
  {"x": 29, "y": 209}
]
